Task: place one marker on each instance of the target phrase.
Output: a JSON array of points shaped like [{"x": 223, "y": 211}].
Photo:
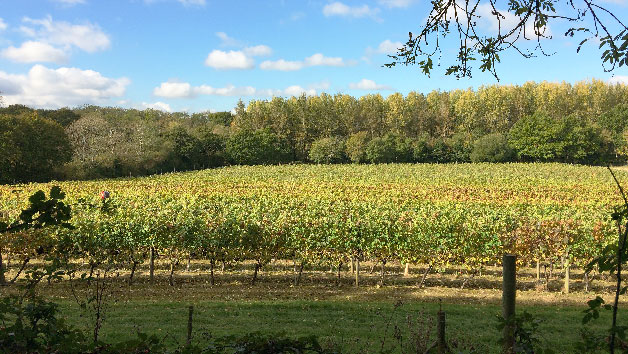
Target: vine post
[
  {"x": 190, "y": 314},
  {"x": 509, "y": 291},
  {"x": 567, "y": 273},
  {"x": 357, "y": 271},
  {"x": 151, "y": 265}
]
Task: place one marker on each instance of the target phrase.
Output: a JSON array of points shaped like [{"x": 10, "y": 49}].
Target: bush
[
  {"x": 389, "y": 148},
  {"x": 540, "y": 137},
  {"x": 380, "y": 150},
  {"x": 259, "y": 147},
  {"x": 421, "y": 150},
  {"x": 212, "y": 148},
  {"x": 615, "y": 125},
  {"x": 355, "y": 147},
  {"x": 440, "y": 151},
  {"x": 492, "y": 148},
  {"x": 31, "y": 148},
  {"x": 328, "y": 150},
  {"x": 459, "y": 148}
]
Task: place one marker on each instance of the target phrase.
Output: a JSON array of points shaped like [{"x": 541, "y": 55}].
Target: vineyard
[{"x": 455, "y": 215}]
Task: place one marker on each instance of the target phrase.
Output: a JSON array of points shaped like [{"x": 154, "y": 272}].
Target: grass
[
  {"x": 349, "y": 317},
  {"x": 350, "y": 324}
]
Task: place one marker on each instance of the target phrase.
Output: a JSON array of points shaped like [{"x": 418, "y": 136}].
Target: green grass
[{"x": 352, "y": 325}]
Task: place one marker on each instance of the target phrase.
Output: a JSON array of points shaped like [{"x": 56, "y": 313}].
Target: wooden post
[
  {"x": 151, "y": 265},
  {"x": 538, "y": 271},
  {"x": 357, "y": 271},
  {"x": 509, "y": 291},
  {"x": 406, "y": 272},
  {"x": 441, "y": 342},
  {"x": 2, "y": 270},
  {"x": 567, "y": 274},
  {"x": 190, "y": 312}
]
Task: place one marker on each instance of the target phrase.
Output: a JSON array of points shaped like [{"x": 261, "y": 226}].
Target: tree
[
  {"x": 491, "y": 148},
  {"x": 212, "y": 147},
  {"x": 186, "y": 149},
  {"x": 328, "y": 150},
  {"x": 355, "y": 147},
  {"x": 31, "y": 148},
  {"x": 568, "y": 139},
  {"x": 389, "y": 148},
  {"x": 259, "y": 147},
  {"x": 523, "y": 22}
]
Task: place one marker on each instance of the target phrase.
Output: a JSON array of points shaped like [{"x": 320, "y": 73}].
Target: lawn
[{"x": 353, "y": 319}]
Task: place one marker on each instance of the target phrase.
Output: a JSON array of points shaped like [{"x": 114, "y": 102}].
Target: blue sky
[{"x": 198, "y": 55}]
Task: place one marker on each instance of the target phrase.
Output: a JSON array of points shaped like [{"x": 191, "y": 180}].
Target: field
[{"x": 277, "y": 248}]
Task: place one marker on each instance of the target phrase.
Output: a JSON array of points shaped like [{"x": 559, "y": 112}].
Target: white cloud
[
  {"x": 173, "y": 90},
  {"x": 192, "y": 2},
  {"x": 486, "y": 20},
  {"x": 396, "y": 3},
  {"x": 185, "y": 90},
  {"x": 281, "y": 65},
  {"x": 258, "y": 51},
  {"x": 370, "y": 85},
  {"x": 229, "y": 90},
  {"x": 321, "y": 85},
  {"x": 31, "y": 52},
  {"x": 388, "y": 47},
  {"x": 228, "y": 41},
  {"x": 298, "y": 91},
  {"x": 88, "y": 37},
  {"x": 221, "y": 60},
  {"x": 317, "y": 59},
  {"x": 54, "y": 88},
  {"x": 618, "y": 80},
  {"x": 295, "y": 16},
  {"x": 254, "y": 51},
  {"x": 339, "y": 9},
  {"x": 160, "y": 106},
  {"x": 183, "y": 2},
  {"x": 70, "y": 2},
  {"x": 509, "y": 20},
  {"x": 3, "y": 25},
  {"x": 616, "y": 2}
]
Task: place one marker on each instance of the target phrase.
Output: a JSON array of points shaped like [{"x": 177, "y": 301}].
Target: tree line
[{"x": 584, "y": 123}]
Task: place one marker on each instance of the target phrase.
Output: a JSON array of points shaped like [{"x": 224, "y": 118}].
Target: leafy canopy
[{"x": 518, "y": 23}]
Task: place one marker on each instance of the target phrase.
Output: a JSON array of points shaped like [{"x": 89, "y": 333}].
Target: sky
[{"x": 205, "y": 55}]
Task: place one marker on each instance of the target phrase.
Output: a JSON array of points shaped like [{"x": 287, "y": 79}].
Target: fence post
[
  {"x": 151, "y": 265},
  {"x": 190, "y": 312},
  {"x": 441, "y": 342},
  {"x": 357, "y": 271},
  {"x": 567, "y": 274},
  {"x": 509, "y": 290}
]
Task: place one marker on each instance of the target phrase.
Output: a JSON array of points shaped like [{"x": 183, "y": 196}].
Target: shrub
[
  {"x": 355, "y": 147},
  {"x": 459, "y": 148},
  {"x": 492, "y": 148},
  {"x": 31, "y": 148},
  {"x": 380, "y": 150},
  {"x": 389, "y": 148},
  {"x": 440, "y": 151},
  {"x": 259, "y": 147},
  {"x": 615, "y": 122},
  {"x": 328, "y": 150},
  {"x": 540, "y": 137},
  {"x": 421, "y": 150},
  {"x": 212, "y": 148}
]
